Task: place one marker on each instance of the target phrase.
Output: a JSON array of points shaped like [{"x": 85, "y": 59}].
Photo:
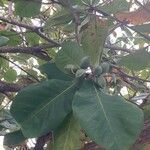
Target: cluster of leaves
[{"x": 79, "y": 94}]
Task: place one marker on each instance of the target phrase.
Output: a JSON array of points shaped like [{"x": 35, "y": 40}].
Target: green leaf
[
  {"x": 42, "y": 107},
  {"x": 32, "y": 38},
  {"x": 3, "y": 40},
  {"x": 1, "y": 3},
  {"x": 13, "y": 38},
  {"x": 145, "y": 28},
  {"x": 53, "y": 72},
  {"x": 108, "y": 120},
  {"x": 68, "y": 136},
  {"x": 70, "y": 53},
  {"x": 136, "y": 61},
  {"x": 27, "y": 8},
  {"x": 115, "y": 6},
  {"x": 1, "y": 62},
  {"x": 10, "y": 75},
  {"x": 93, "y": 39},
  {"x": 14, "y": 138},
  {"x": 61, "y": 18}
]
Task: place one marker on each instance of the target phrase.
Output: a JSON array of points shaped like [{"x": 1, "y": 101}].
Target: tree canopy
[{"x": 75, "y": 74}]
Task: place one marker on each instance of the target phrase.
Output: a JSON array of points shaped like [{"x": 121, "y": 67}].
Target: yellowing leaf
[{"x": 140, "y": 16}]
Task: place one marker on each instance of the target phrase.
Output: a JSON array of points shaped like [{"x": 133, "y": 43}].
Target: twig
[
  {"x": 122, "y": 23},
  {"x": 118, "y": 48},
  {"x": 128, "y": 76},
  {"x": 143, "y": 7},
  {"x": 20, "y": 68},
  {"x": 35, "y": 29}
]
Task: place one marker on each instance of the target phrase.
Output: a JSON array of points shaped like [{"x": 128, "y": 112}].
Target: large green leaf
[
  {"x": 27, "y": 8},
  {"x": 53, "y": 72},
  {"x": 93, "y": 39},
  {"x": 70, "y": 53},
  {"x": 136, "y": 61},
  {"x": 115, "y": 6},
  {"x": 42, "y": 107},
  {"x": 68, "y": 136},
  {"x": 109, "y": 120},
  {"x": 14, "y": 138}
]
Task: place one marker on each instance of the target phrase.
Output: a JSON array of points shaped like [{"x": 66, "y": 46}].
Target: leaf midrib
[
  {"x": 35, "y": 114},
  {"x": 103, "y": 109}
]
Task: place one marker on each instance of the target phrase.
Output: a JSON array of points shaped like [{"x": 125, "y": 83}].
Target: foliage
[{"x": 64, "y": 65}]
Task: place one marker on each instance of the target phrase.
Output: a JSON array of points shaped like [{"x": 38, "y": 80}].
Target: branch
[
  {"x": 145, "y": 134},
  {"x": 118, "y": 48},
  {"x": 20, "y": 68},
  {"x": 36, "y": 50},
  {"x": 123, "y": 74},
  {"x": 18, "y": 23},
  {"x": 41, "y": 141},
  {"x": 35, "y": 29},
  {"x": 10, "y": 87},
  {"x": 122, "y": 23}
]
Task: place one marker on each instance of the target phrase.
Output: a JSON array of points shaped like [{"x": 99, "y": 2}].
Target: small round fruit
[
  {"x": 98, "y": 71},
  {"x": 105, "y": 67},
  {"x": 100, "y": 81},
  {"x": 85, "y": 62}
]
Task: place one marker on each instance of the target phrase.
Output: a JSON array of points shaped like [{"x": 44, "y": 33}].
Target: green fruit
[
  {"x": 100, "y": 81},
  {"x": 80, "y": 73},
  {"x": 98, "y": 71},
  {"x": 105, "y": 67},
  {"x": 85, "y": 62}
]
